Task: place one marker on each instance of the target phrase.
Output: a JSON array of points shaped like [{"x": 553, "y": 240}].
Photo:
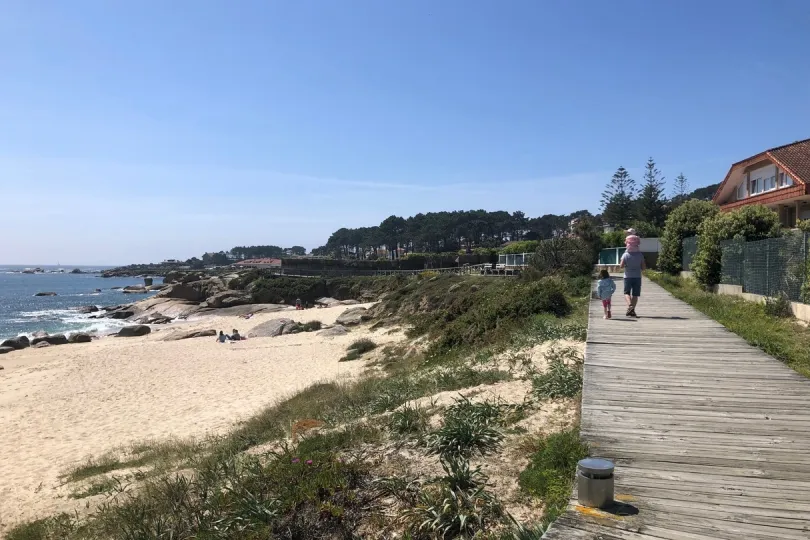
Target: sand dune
[{"x": 60, "y": 405}]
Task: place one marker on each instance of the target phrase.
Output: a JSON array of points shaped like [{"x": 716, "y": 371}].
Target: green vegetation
[
  {"x": 683, "y": 222},
  {"x": 358, "y": 348},
  {"x": 563, "y": 377},
  {"x": 782, "y": 338},
  {"x": 754, "y": 222},
  {"x": 551, "y": 471},
  {"x": 469, "y": 429},
  {"x": 266, "y": 288},
  {"x": 408, "y": 420}
]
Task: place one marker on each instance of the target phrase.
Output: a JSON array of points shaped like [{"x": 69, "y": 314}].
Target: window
[
  {"x": 781, "y": 179},
  {"x": 770, "y": 183},
  {"x": 788, "y": 180}
]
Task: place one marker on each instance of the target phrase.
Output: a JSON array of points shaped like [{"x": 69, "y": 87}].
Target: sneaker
[
  {"x": 609, "y": 315},
  {"x": 605, "y": 317},
  {"x": 632, "y": 313},
  {"x": 628, "y": 312}
]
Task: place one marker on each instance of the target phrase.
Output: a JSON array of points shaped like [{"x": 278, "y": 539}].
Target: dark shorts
[{"x": 632, "y": 286}]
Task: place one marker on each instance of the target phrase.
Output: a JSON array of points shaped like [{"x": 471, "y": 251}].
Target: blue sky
[{"x": 137, "y": 131}]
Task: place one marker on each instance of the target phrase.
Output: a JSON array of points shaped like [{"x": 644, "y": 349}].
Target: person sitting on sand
[
  {"x": 222, "y": 338},
  {"x": 235, "y": 336}
]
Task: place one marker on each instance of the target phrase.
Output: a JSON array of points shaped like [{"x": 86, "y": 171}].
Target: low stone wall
[{"x": 800, "y": 311}]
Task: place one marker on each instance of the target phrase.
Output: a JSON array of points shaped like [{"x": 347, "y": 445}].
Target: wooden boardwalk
[{"x": 710, "y": 436}]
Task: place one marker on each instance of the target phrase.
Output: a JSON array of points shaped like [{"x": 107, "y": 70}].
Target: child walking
[{"x": 605, "y": 289}]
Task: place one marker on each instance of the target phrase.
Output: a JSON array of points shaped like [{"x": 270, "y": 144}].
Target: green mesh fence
[
  {"x": 689, "y": 249},
  {"x": 767, "y": 267}
]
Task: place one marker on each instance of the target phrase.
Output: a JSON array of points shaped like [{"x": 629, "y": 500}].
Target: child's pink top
[{"x": 632, "y": 243}]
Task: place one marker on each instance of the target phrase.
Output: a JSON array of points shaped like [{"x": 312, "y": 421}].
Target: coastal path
[{"x": 710, "y": 436}]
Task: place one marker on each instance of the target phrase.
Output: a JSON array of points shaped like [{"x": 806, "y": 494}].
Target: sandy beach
[{"x": 60, "y": 405}]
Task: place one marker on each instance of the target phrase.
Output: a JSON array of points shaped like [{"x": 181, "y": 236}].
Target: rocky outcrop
[
  {"x": 227, "y": 299},
  {"x": 177, "y": 336},
  {"x": 158, "y": 287},
  {"x": 135, "y": 289},
  {"x": 326, "y": 301},
  {"x": 45, "y": 294},
  {"x": 17, "y": 343},
  {"x": 271, "y": 328},
  {"x": 156, "y": 318},
  {"x": 353, "y": 316},
  {"x": 337, "y": 330},
  {"x": 134, "y": 331},
  {"x": 87, "y": 309},
  {"x": 56, "y": 339},
  {"x": 6, "y": 350},
  {"x": 77, "y": 271},
  {"x": 80, "y": 337},
  {"x": 120, "y": 314},
  {"x": 41, "y": 345},
  {"x": 195, "y": 291}
]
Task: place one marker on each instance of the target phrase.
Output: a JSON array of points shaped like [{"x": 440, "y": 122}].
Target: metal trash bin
[{"x": 595, "y": 482}]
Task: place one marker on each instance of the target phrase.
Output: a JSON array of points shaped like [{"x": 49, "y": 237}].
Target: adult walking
[{"x": 633, "y": 264}]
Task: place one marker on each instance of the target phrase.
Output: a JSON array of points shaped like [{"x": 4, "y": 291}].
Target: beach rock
[
  {"x": 337, "y": 330},
  {"x": 349, "y": 302},
  {"x": 135, "y": 289},
  {"x": 134, "y": 331},
  {"x": 56, "y": 339},
  {"x": 227, "y": 299},
  {"x": 122, "y": 314},
  {"x": 195, "y": 291},
  {"x": 19, "y": 342},
  {"x": 293, "y": 328},
  {"x": 158, "y": 287},
  {"x": 327, "y": 301},
  {"x": 41, "y": 345},
  {"x": 4, "y": 350},
  {"x": 87, "y": 309},
  {"x": 80, "y": 337},
  {"x": 353, "y": 316},
  {"x": 45, "y": 294},
  {"x": 177, "y": 336},
  {"x": 76, "y": 271},
  {"x": 272, "y": 328},
  {"x": 39, "y": 333}
]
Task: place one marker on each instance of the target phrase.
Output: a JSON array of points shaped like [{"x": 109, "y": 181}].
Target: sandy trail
[{"x": 60, "y": 405}]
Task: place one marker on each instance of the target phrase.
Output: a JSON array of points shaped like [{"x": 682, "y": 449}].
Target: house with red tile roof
[{"x": 778, "y": 178}]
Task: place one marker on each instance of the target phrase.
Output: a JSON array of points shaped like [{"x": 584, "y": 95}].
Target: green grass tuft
[{"x": 550, "y": 473}]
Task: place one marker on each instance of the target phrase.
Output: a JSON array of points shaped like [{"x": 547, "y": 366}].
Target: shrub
[
  {"x": 560, "y": 379},
  {"x": 749, "y": 223},
  {"x": 551, "y": 471},
  {"x": 522, "y": 246},
  {"x": 683, "y": 222},
  {"x": 408, "y": 420},
  {"x": 468, "y": 429},
  {"x": 613, "y": 239},
  {"x": 568, "y": 256},
  {"x": 456, "y": 506},
  {"x": 779, "y": 306},
  {"x": 312, "y": 326},
  {"x": 362, "y": 346},
  {"x": 352, "y": 355}
]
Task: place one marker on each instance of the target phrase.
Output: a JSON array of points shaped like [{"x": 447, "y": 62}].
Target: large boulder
[
  {"x": 134, "y": 331},
  {"x": 177, "y": 336},
  {"x": 56, "y": 339},
  {"x": 41, "y": 345},
  {"x": 326, "y": 301},
  {"x": 87, "y": 309},
  {"x": 135, "y": 289},
  {"x": 19, "y": 342},
  {"x": 80, "y": 337},
  {"x": 120, "y": 314},
  {"x": 39, "y": 333},
  {"x": 337, "y": 330},
  {"x": 195, "y": 291},
  {"x": 5, "y": 350},
  {"x": 45, "y": 294},
  {"x": 353, "y": 316},
  {"x": 272, "y": 328},
  {"x": 227, "y": 299}
]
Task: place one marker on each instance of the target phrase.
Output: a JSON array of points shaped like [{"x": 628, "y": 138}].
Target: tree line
[{"x": 623, "y": 205}]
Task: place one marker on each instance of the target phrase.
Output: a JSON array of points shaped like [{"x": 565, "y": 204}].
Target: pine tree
[
  {"x": 652, "y": 203},
  {"x": 680, "y": 189},
  {"x": 617, "y": 199}
]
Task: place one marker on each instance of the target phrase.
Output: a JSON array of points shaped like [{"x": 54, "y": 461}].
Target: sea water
[{"x": 21, "y": 312}]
